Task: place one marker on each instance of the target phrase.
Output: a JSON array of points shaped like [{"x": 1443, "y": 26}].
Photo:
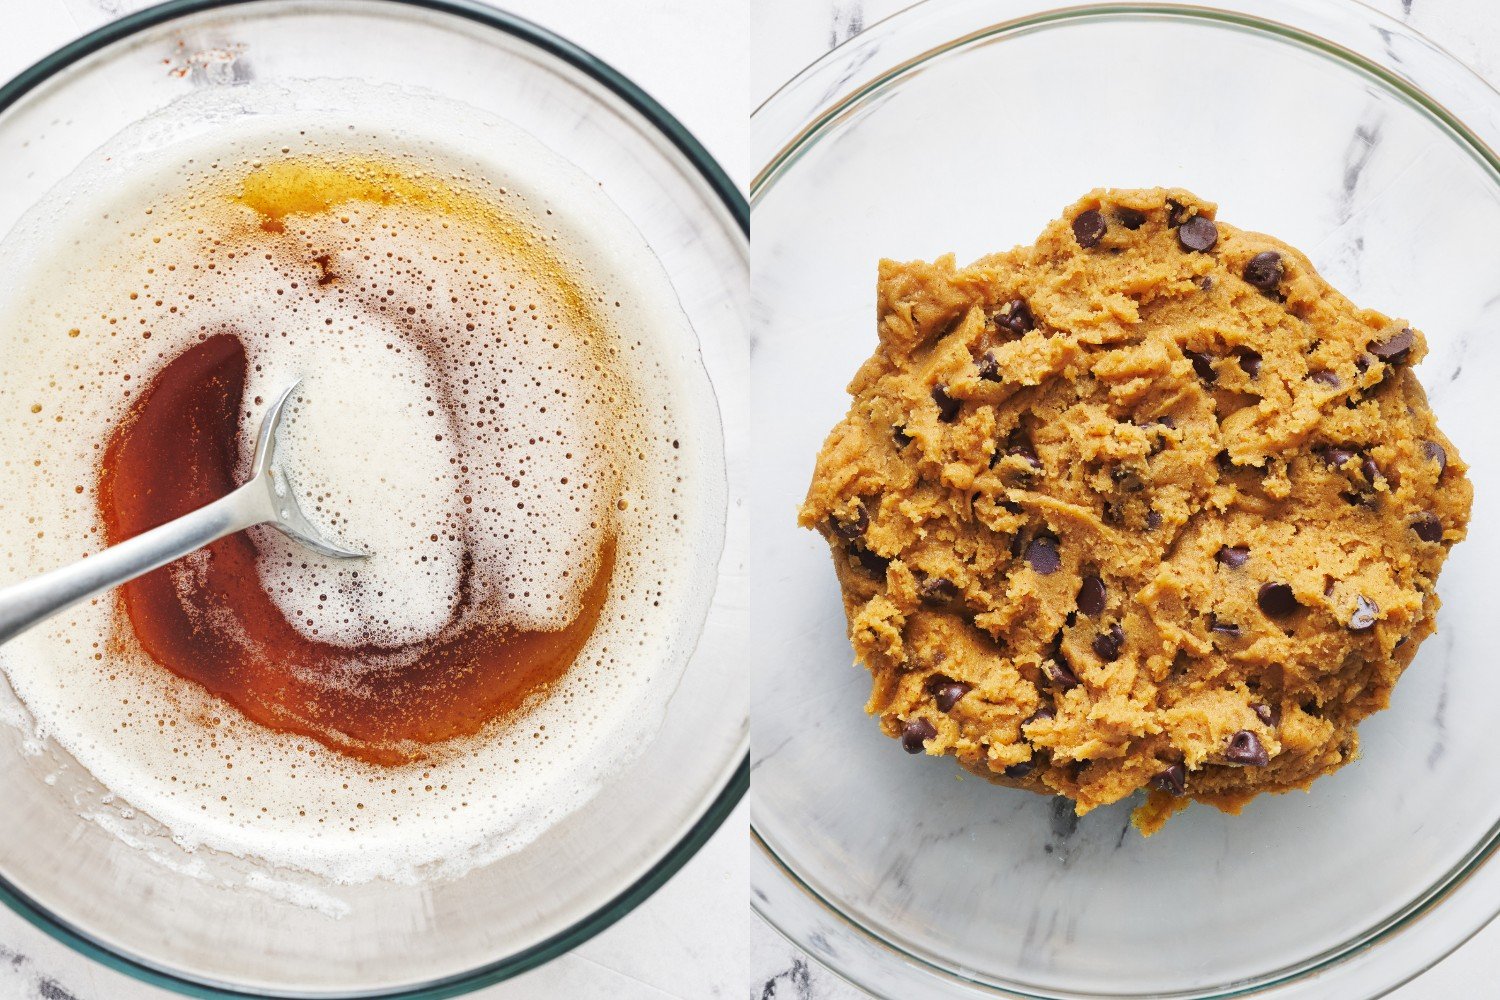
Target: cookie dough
[{"x": 1146, "y": 505}]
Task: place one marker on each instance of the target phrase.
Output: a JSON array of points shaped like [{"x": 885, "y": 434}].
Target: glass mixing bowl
[
  {"x": 1318, "y": 121},
  {"x": 138, "y": 906}
]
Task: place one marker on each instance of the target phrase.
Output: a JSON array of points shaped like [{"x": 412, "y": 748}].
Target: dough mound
[{"x": 1147, "y": 505}]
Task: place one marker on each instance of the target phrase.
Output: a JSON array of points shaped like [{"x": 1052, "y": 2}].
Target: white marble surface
[
  {"x": 789, "y": 34},
  {"x": 687, "y": 940}
]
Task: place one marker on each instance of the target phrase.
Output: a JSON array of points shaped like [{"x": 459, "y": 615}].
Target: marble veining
[
  {"x": 761, "y": 758},
  {"x": 848, "y": 20},
  {"x": 97, "y": 9},
  {"x": 1439, "y": 712},
  {"x": 793, "y": 984},
  {"x": 1362, "y": 146},
  {"x": 1063, "y": 825},
  {"x": 21, "y": 979},
  {"x": 1388, "y": 42}
]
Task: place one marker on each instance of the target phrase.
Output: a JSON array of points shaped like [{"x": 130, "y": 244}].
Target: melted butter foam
[
  {"x": 494, "y": 369},
  {"x": 455, "y": 381}
]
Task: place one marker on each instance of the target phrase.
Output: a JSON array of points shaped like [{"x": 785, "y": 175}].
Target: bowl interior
[
  {"x": 116, "y": 883},
  {"x": 974, "y": 150}
]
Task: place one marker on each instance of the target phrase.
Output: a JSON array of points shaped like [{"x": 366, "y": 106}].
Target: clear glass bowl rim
[
  {"x": 781, "y": 154},
  {"x": 718, "y": 810}
]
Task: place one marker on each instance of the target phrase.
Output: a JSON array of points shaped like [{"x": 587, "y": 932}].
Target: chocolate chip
[
  {"x": 1264, "y": 271},
  {"x": 1271, "y": 716},
  {"x": 1177, "y": 213},
  {"x": 947, "y": 696},
  {"x": 1088, "y": 228},
  {"x": 1045, "y": 712},
  {"x": 1091, "y": 595},
  {"x": 899, "y": 435},
  {"x": 1153, "y": 520},
  {"x": 1222, "y": 628},
  {"x": 1020, "y": 770},
  {"x": 1059, "y": 674},
  {"x": 937, "y": 590},
  {"x": 1203, "y": 364},
  {"x": 1017, "y": 317},
  {"x": 1025, "y": 452},
  {"x": 1173, "y": 780},
  {"x": 1249, "y": 362},
  {"x": 1435, "y": 452},
  {"x": 1394, "y": 348},
  {"x": 946, "y": 404},
  {"x": 989, "y": 368},
  {"x": 1107, "y": 646},
  {"x": 1362, "y": 363},
  {"x": 1276, "y": 599},
  {"x": 1130, "y": 218},
  {"x": 935, "y": 681},
  {"x": 915, "y": 733},
  {"x": 1233, "y": 556},
  {"x": 1365, "y": 613},
  {"x": 1244, "y": 748},
  {"x": 854, "y": 530},
  {"x": 1198, "y": 234},
  {"x": 1325, "y": 377},
  {"x": 1427, "y": 527},
  {"x": 1336, "y": 457},
  {"x": 1042, "y": 555},
  {"x": 1370, "y": 468},
  {"x": 1165, "y": 421},
  {"x": 872, "y": 562}
]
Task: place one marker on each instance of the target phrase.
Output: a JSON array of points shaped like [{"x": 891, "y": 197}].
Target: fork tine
[
  {"x": 270, "y": 424},
  {"x": 289, "y": 518}
]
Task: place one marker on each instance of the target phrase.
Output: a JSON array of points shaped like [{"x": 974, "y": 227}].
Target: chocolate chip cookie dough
[{"x": 1147, "y": 505}]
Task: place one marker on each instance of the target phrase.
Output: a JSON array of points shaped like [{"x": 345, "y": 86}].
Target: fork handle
[{"x": 29, "y": 602}]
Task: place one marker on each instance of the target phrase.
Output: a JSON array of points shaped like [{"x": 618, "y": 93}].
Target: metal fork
[{"x": 266, "y": 498}]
